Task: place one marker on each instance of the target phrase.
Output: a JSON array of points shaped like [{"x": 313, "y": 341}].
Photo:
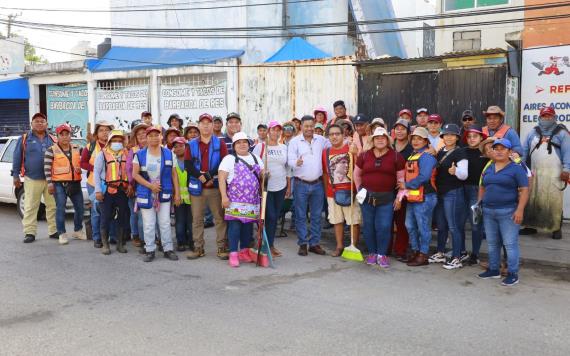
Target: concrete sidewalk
[{"x": 539, "y": 249}]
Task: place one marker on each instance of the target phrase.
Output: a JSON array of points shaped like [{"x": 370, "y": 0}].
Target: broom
[{"x": 351, "y": 253}]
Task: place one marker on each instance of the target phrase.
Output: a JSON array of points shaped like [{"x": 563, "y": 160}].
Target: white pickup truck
[{"x": 8, "y": 193}]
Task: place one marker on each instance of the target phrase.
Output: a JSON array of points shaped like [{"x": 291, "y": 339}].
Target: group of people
[{"x": 399, "y": 182}]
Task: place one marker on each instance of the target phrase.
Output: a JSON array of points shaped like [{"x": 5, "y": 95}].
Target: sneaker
[
  {"x": 383, "y": 261},
  {"x": 29, "y": 238},
  {"x": 79, "y": 235},
  {"x": 437, "y": 258},
  {"x": 180, "y": 248},
  {"x": 97, "y": 244},
  {"x": 489, "y": 274},
  {"x": 148, "y": 257},
  {"x": 464, "y": 256},
  {"x": 55, "y": 235},
  {"x": 233, "y": 259},
  {"x": 171, "y": 255},
  {"x": 473, "y": 260},
  {"x": 453, "y": 264},
  {"x": 371, "y": 259},
  {"x": 510, "y": 280},
  {"x": 243, "y": 255},
  {"x": 63, "y": 239}
]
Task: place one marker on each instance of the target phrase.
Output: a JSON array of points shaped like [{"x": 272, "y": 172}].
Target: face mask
[
  {"x": 116, "y": 146},
  {"x": 546, "y": 125}
]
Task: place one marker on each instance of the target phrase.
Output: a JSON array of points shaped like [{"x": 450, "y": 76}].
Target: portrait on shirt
[{"x": 339, "y": 168}]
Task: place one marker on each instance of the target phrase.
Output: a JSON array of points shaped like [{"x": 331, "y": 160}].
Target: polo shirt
[{"x": 502, "y": 187}]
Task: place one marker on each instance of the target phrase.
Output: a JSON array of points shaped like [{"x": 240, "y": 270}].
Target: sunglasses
[
  {"x": 467, "y": 119},
  {"x": 288, "y": 128}
]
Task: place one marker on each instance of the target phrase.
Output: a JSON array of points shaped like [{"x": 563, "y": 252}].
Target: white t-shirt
[
  {"x": 276, "y": 166},
  {"x": 152, "y": 165},
  {"x": 228, "y": 163}
]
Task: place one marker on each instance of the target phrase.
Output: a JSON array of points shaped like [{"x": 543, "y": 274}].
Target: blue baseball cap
[{"x": 503, "y": 142}]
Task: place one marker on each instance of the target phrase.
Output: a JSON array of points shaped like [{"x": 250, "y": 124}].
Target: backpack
[{"x": 556, "y": 130}]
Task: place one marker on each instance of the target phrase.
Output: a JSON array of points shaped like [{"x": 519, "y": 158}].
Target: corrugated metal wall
[
  {"x": 14, "y": 117},
  {"x": 447, "y": 92},
  {"x": 279, "y": 93}
]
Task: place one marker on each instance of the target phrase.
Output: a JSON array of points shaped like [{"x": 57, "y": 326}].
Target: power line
[
  {"x": 112, "y": 10},
  {"x": 313, "y": 34},
  {"x": 356, "y": 63},
  {"x": 318, "y": 25}
]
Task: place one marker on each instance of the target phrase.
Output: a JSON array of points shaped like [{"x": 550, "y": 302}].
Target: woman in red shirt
[{"x": 379, "y": 168}]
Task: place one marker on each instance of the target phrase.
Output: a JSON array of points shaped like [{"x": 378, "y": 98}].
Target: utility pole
[{"x": 11, "y": 18}]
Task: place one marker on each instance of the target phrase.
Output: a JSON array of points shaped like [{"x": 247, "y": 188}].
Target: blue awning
[
  {"x": 297, "y": 49},
  {"x": 14, "y": 89},
  {"x": 135, "y": 58}
]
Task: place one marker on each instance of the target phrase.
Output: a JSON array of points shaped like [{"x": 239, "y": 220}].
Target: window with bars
[
  {"x": 451, "y": 5},
  {"x": 195, "y": 79},
  {"x": 121, "y": 83}
]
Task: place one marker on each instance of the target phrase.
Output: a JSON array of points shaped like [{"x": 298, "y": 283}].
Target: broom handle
[{"x": 351, "y": 162}]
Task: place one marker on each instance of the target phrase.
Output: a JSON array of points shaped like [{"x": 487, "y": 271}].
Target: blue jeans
[
  {"x": 450, "y": 217},
  {"x": 378, "y": 227},
  {"x": 239, "y": 235},
  {"x": 272, "y": 212},
  {"x": 499, "y": 224},
  {"x": 135, "y": 222},
  {"x": 308, "y": 196},
  {"x": 96, "y": 218},
  {"x": 183, "y": 225},
  {"x": 418, "y": 222},
  {"x": 61, "y": 201},
  {"x": 477, "y": 231}
]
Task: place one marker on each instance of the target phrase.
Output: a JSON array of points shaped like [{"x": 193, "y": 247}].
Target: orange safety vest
[
  {"x": 501, "y": 132},
  {"x": 24, "y": 138},
  {"x": 412, "y": 171},
  {"x": 63, "y": 169},
  {"x": 94, "y": 153},
  {"x": 115, "y": 171}
]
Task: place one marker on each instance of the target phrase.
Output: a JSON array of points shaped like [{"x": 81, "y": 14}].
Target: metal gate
[
  {"x": 14, "y": 117},
  {"x": 446, "y": 92}
]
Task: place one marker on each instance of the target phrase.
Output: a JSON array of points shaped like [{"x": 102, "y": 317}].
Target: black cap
[
  {"x": 452, "y": 129},
  {"x": 467, "y": 113},
  {"x": 339, "y": 103},
  {"x": 262, "y": 126},
  {"x": 175, "y": 116},
  {"x": 307, "y": 118},
  {"x": 218, "y": 118},
  {"x": 233, "y": 115},
  {"x": 360, "y": 119}
]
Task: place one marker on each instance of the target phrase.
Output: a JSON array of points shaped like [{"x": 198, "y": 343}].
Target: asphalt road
[{"x": 71, "y": 300}]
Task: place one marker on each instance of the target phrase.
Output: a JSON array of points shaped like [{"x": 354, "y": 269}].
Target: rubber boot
[
  {"x": 121, "y": 239},
  {"x": 105, "y": 240}
]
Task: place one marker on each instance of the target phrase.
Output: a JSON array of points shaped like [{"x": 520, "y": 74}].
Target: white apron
[{"x": 544, "y": 208}]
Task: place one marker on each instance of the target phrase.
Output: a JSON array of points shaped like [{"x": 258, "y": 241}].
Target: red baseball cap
[
  {"x": 205, "y": 116},
  {"x": 63, "y": 127},
  {"x": 153, "y": 128},
  {"x": 179, "y": 139},
  {"x": 436, "y": 118},
  {"x": 405, "y": 111},
  {"x": 547, "y": 111}
]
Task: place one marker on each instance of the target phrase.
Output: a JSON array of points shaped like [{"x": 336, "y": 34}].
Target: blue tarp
[
  {"x": 297, "y": 49},
  {"x": 134, "y": 58},
  {"x": 14, "y": 89}
]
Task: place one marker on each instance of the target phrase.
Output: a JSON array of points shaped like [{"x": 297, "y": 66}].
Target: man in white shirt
[{"x": 304, "y": 155}]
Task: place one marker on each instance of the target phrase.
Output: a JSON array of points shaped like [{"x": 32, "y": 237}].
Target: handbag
[{"x": 341, "y": 197}]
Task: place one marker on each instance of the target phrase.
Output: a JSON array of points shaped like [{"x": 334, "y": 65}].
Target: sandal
[
  {"x": 337, "y": 252},
  {"x": 275, "y": 252}
]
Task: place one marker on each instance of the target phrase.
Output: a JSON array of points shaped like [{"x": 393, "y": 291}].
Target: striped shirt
[{"x": 48, "y": 162}]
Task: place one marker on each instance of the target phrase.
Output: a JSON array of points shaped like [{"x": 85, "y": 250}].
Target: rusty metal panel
[
  {"x": 264, "y": 95},
  {"x": 323, "y": 85},
  {"x": 447, "y": 92},
  {"x": 279, "y": 92}
]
